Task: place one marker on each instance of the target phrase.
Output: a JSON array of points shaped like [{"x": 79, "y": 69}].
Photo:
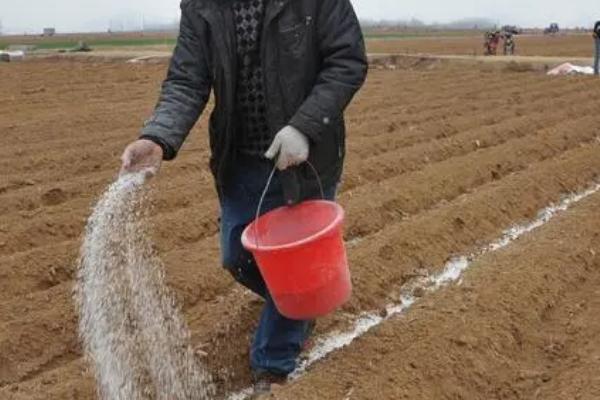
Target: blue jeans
[
  {"x": 278, "y": 340},
  {"x": 597, "y": 58}
]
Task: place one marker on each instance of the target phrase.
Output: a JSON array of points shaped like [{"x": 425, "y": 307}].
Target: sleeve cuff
[
  {"x": 168, "y": 151},
  {"x": 307, "y": 126}
]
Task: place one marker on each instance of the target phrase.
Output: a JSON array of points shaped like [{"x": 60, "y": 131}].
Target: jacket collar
[{"x": 273, "y": 7}]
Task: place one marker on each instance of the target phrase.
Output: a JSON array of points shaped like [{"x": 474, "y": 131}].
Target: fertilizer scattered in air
[{"x": 131, "y": 329}]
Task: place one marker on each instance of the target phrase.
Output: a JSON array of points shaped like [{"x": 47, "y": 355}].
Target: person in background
[
  {"x": 282, "y": 73},
  {"x": 492, "y": 39},
  {"x": 509, "y": 43},
  {"x": 597, "y": 42}
]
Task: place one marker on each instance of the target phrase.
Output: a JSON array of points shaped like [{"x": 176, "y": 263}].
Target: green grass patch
[
  {"x": 70, "y": 41},
  {"x": 108, "y": 42}
]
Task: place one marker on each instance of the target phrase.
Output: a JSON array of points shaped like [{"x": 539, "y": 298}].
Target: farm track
[
  {"x": 562, "y": 46},
  {"x": 430, "y": 173}
]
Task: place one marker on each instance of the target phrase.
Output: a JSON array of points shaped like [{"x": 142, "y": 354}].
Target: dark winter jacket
[
  {"x": 314, "y": 60},
  {"x": 597, "y": 29}
]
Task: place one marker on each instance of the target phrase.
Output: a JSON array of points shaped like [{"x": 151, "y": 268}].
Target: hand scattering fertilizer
[
  {"x": 301, "y": 255},
  {"x": 132, "y": 332}
]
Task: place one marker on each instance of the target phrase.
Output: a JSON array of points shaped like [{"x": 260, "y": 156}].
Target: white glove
[{"x": 290, "y": 146}]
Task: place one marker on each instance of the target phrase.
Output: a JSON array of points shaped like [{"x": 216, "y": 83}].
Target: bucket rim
[{"x": 251, "y": 245}]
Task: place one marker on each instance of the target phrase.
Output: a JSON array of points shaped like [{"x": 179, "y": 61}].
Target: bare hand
[{"x": 142, "y": 156}]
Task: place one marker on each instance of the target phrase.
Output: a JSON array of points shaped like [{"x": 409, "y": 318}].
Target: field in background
[
  {"x": 92, "y": 39},
  {"x": 441, "y": 160},
  {"x": 576, "y": 45},
  {"x": 404, "y": 42},
  {"x": 168, "y": 38}
]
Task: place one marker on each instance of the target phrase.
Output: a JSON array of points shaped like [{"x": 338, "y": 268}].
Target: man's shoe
[{"x": 263, "y": 382}]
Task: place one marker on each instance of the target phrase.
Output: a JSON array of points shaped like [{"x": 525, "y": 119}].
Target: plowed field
[{"x": 441, "y": 161}]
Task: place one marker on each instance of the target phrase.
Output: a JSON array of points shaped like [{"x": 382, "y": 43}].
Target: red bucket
[{"x": 301, "y": 255}]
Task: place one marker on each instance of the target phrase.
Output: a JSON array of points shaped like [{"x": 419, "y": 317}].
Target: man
[
  {"x": 509, "y": 44},
  {"x": 597, "y": 40},
  {"x": 492, "y": 38},
  {"x": 282, "y": 73},
  {"x": 487, "y": 40}
]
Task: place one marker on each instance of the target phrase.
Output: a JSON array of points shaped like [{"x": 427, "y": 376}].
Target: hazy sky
[{"x": 90, "y": 15}]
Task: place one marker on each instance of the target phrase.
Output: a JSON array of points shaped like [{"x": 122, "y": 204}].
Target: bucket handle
[{"x": 266, "y": 189}]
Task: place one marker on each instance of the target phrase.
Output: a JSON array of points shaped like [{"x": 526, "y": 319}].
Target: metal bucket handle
[{"x": 266, "y": 189}]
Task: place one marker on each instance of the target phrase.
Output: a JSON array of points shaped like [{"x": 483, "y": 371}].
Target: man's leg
[
  {"x": 279, "y": 340},
  {"x": 237, "y": 260},
  {"x": 239, "y": 202}
]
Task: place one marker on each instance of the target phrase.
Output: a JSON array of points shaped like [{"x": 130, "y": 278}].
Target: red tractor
[{"x": 492, "y": 39}]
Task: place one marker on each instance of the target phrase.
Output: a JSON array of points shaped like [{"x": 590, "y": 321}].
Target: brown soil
[{"x": 440, "y": 160}]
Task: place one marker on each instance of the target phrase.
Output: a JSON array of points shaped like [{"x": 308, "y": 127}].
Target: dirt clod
[{"x": 54, "y": 197}]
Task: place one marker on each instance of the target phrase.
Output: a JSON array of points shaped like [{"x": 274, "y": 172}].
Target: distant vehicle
[
  {"x": 49, "y": 32},
  {"x": 9, "y": 56},
  {"x": 512, "y": 29},
  {"x": 553, "y": 29},
  {"x": 490, "y": 42}
]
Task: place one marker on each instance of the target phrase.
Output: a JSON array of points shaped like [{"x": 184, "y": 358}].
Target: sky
[{"x": 98, "y": 15}]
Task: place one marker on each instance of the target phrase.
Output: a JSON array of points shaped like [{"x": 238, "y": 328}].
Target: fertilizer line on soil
[{"x": 450, "y": 273}]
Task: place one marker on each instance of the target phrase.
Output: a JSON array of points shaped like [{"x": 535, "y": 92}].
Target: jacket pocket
[{"x": 293, "y": 38}]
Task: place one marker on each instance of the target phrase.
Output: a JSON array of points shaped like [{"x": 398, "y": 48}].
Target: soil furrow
[
  {"x": 407, "y": 194},
  {"x": 506, "y": 332}
]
